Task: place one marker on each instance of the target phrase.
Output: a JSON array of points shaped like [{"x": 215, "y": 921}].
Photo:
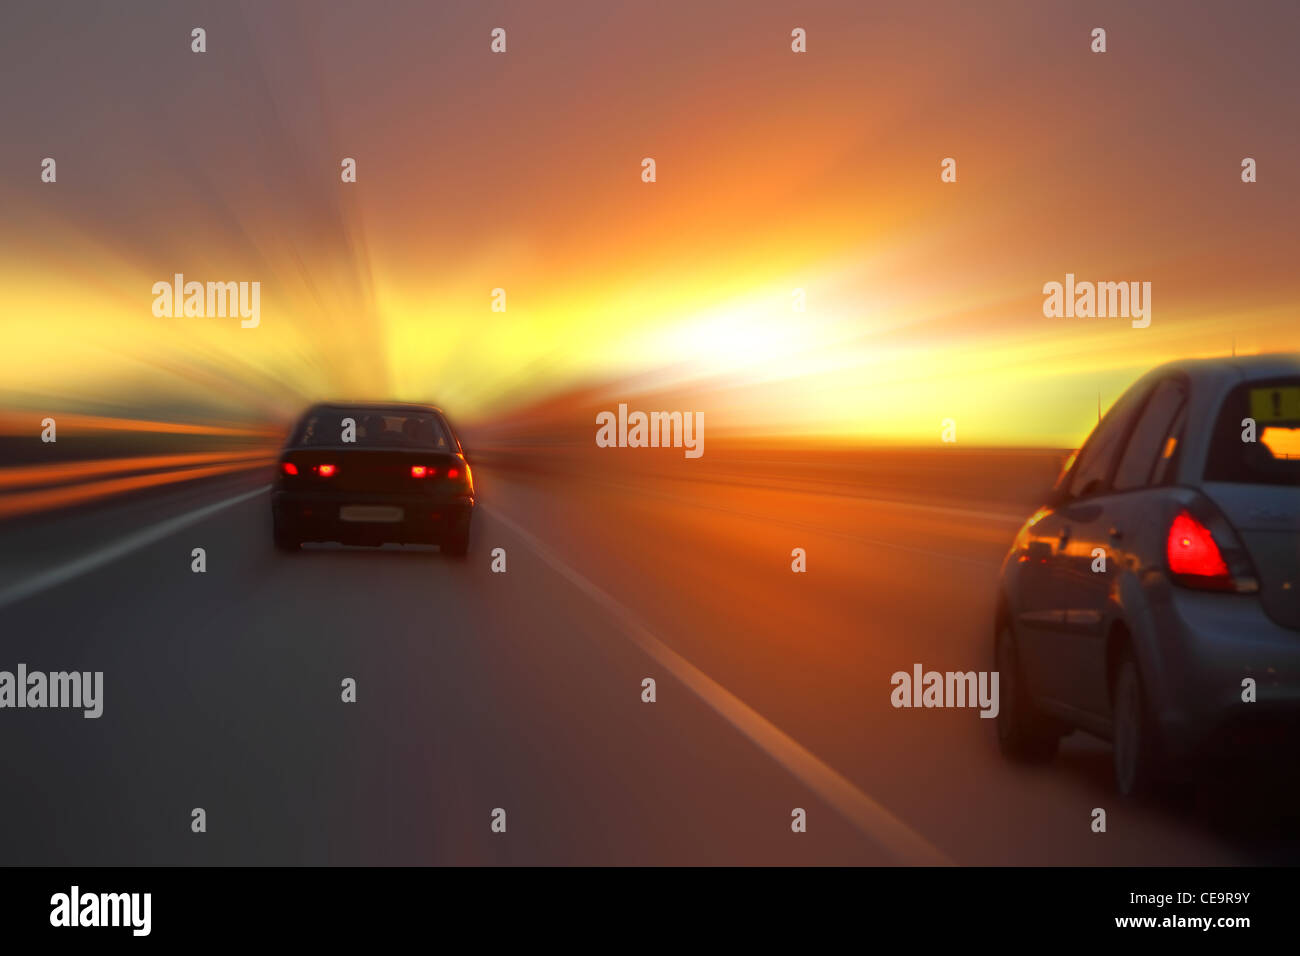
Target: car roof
[
  {"x": 406, "y": 407},
  {"x": 1233, "y": 367}
]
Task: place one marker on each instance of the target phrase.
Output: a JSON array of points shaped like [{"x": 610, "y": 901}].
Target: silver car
[{"x": 1155, "y": 599}]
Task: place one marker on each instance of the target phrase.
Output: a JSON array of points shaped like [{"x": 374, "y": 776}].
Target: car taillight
[
  {"x": 453, "y": 472},
  {"x": 1205, "y": 553},
  {"x": 1192, "y": 550},
  {"x": 421, "y": 471},
  {"x": 325, "y": 471},
  {"x": 289, "y": 468}
]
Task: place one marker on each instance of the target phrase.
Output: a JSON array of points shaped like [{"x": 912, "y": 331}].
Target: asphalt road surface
[{"x": 523, "y": 690}]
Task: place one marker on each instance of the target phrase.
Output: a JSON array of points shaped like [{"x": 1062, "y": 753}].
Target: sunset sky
[{"x": 775, "y": 171}]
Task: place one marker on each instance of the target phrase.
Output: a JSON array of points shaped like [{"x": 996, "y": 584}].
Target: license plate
[{"x": 384, "y": 513}]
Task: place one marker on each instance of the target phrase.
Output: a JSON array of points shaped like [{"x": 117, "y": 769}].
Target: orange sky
[{"x": 776, "y": 171}]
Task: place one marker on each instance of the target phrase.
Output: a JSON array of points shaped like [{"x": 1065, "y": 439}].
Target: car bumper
[
  {"x": 1210, "y": 645},
  {"x": 320, "y": 517}
]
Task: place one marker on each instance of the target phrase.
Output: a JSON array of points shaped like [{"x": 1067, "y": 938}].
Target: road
[{"x": 523, "y": 690}]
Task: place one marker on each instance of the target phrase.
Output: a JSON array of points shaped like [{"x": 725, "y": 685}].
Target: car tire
[
  {"x": 1135, "y": 742},
  {"x": 456, "y": 543},
  {"x": 1024, "y": 733}
]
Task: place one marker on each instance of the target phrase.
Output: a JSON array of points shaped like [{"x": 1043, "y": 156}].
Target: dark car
[
  {"x": 370, "y": 474},
  {"x": 1155, "y": 599}
]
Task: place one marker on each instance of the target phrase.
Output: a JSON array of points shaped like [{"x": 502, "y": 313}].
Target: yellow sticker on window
[{"x": 1275, "y": 404}]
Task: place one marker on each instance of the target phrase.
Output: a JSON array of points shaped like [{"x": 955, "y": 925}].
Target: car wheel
[
  {"x": 1024, "y": 734},
  {"x": 1135, "y": 746},
  {"x": 456, "y": 543}
]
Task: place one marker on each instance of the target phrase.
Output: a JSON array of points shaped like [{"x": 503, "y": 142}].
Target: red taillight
[
  {"x": 1192, "y": 551},
  {"x": 453, "y": 472},
  {"x": 420, "y": 471},
  {"x": 289, "y": 468},
  {"x": 325, "y": 471}
]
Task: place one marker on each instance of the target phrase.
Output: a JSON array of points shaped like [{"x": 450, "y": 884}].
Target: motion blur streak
[
  {"x": 66, "y": 496},
  {"x": 923, "y": 299},
  {"x": 79, "y": 466},
  {"x": 23, "y": 475},
  {"x": 14, "y": 424}
]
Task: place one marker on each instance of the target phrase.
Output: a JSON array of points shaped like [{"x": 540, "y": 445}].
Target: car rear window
[
  {"x": 1274, "y": 457},
  {"x": 374, "y": 429}
]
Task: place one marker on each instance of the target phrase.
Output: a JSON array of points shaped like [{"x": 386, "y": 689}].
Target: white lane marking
[
  {"x": 119, "y": 548},
  {"x": 872, "y": 819}
]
